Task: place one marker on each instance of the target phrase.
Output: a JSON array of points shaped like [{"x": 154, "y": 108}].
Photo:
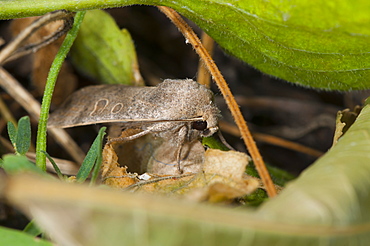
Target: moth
[{"x": 177, "y": 111}]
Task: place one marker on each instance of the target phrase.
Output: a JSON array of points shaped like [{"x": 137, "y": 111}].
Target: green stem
[
  {"x": 49, "y": 88},
  {"x": 26, "y": 8}
]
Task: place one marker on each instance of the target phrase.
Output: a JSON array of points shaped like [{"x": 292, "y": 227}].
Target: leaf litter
[{"x": 221, "y": 177}]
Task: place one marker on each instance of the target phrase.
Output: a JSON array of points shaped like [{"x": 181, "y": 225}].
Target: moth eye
[{"x": 199, "y": 125}]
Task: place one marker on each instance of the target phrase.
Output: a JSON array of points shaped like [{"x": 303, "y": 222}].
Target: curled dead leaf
[
  {"x": 221, "y": 178},
  {"x": 112, "y": 173},
  {"x": 345, "y": 118}
]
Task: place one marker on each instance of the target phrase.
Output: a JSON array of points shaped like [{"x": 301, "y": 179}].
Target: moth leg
[
  {"x": 178, "y": 158},
  {"x": 180, "y": 140},
  {"x": 129, "y": 138}
]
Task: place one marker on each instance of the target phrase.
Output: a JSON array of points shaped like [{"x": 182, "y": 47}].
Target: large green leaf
[
  {"x": 335, "y": 190},
  {"x": 322, "y": 44},
  {"x": 18, "y": 238},
  {"x": 329, "y": 204}
]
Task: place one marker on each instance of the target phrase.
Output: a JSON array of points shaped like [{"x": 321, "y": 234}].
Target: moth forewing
[
  {"x": 96, "y": 104},
  {"x": 172, "y": 100}
]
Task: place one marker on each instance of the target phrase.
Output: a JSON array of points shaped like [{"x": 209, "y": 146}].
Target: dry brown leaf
[
  {"x": 222, "y": 178},
  {"x": 112, "y": 173},
  {"x": 41, "y": 60},
  {"x": 345, "y": 118}
]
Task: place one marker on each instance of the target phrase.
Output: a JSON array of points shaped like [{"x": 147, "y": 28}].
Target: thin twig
[
  {"x": 204, "y": 77},
  {"x": 6, "y": 144},
  {"x": 8, "y": 117},
  {"x": 14, "y": 50},
  {"x": 32, "y": 106},
  {"x": 287, "y": 144},
  {"x": 192, "y": 38},
  {"x": 67, "y": 167},
  {"x": 155, "y": 180},
  {"x": 5, "y": 113},
  {"x": 232, "y": 129}
]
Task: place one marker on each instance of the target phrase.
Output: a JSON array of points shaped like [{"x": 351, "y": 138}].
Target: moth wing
[{"x": 100, "y": 104}]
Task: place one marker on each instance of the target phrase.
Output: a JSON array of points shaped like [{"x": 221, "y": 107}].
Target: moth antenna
[
  {"x": 223, "y": 140},
  {"x": 182, "y": 133}
]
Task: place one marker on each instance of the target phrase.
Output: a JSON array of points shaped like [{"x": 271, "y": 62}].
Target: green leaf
[
  {"x": 96, "y": 170},
  {"x": 278, "y": 176},
  {"x": 103, "y": 51},
  {"x": 256, "y": 198},
  {"x": 107, "y": 217},
  {"x": 55, "y": 166},
  {"x": 91, "y": 158},
  {"x": 23, "y": 141},
  {"x": 32, "y": 229},
  {"x": 14, "y": 164},
  {"x": 21, "y": 136},
  {"x": 18, "y": 238},
  {"x": 12, "y": 132},
  {"x": 321, "y": 44},
  {"x": 213, "y": 143}
]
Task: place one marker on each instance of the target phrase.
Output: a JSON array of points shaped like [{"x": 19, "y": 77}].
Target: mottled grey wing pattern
[
  {"x": 171, "y": 100},
  {"x": 97, "y": 104}
]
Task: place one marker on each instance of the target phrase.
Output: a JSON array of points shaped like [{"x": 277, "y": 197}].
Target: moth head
[
  {"x": 202, "y": 127},
  {"x": 207, "y": 123}
]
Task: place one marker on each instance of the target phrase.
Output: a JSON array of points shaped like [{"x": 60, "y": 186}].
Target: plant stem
[
  {"x": 49, "y": 88},
  {"x": 204, "y": 77},
  {"x": 192, "y": 38}
]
